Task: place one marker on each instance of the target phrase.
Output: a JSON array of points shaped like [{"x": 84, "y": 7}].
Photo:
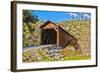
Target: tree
[
  {"x": 28, "y": 20},
  {"x": 28, "y": 17}
]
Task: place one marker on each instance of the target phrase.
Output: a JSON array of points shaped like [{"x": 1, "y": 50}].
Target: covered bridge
[{"x": 52, "y": 33}]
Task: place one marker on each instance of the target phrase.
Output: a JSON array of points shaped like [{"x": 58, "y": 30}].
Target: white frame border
[{"x": 36, "y": 65}]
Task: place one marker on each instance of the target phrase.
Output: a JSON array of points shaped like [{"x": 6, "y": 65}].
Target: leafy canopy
[{"x": 28, "y": 17}]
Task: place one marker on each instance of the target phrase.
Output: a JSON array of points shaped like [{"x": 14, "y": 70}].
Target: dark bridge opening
[{"x": 48, "y": 36}]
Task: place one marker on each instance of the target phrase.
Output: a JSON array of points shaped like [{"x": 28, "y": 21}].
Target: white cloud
[
  {"x": 86, "y": 15},
  {"x": 73, "y": 14}
]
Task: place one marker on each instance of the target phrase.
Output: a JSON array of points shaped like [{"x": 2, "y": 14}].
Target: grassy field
[
  {"x": 77, "y": 58},
  {"x": 39, "y": 55}
]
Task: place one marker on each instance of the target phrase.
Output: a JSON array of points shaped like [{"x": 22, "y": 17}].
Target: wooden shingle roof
[{"x": 46, "y": 23}]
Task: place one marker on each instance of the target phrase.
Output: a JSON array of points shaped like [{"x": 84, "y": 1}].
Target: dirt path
[{"x": 37, "y": 47}]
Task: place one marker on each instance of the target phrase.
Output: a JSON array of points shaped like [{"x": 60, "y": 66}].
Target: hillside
[{"x": 79, "y": 29}]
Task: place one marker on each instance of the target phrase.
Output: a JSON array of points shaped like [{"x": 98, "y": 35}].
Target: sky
[{"x": 60, "y": 16}]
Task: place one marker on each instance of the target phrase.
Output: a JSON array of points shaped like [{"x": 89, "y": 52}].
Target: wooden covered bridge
[{"x": 52, "y": 33}]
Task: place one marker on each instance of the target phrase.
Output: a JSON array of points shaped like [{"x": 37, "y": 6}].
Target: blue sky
[{"x": 59, "y": 16}]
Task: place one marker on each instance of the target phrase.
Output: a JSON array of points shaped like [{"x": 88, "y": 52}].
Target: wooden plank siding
[{"x": 62, "y": 37}]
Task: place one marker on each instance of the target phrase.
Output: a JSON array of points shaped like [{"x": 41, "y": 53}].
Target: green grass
[
  {"x": 29, "y": 58},
  {"x": 77, "y": 58}
]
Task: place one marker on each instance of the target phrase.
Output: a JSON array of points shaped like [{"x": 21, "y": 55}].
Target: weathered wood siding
[{"x": 56, "y": 35}]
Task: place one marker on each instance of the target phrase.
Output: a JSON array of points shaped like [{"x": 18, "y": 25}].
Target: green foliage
[
  {"x": 30, "y": 31},
  {"x": 79, "y": 29},
  {"x": 31, "y": 38},
  {"x": 39, "y": 55},
  {"x": 28, "y": 17}
]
